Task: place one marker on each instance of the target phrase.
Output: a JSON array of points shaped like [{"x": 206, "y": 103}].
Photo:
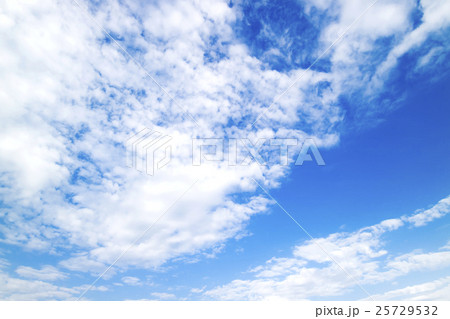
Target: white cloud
[
  {"x": 132, "y": 281},
  {"x": 310, "y": 272},
  {"x": 362, "y": 61},
  {"x": 111, "y": 204},
  {"x": 433, "y": 54},
  {"x": 64, "y": 136},
  {"x": 19, "y": 289},
  {"x": 36, "y": 288},
  {"x": 46, "y": 273},
  {"x": 4, "y": 263},
  {"x": 417, "y": 261},
  {"x": 434, "y": 290},
  {"x": 436, "y": 18},
  {"x": 198, "y": 290},
  {"x": 437, "y": 211}
]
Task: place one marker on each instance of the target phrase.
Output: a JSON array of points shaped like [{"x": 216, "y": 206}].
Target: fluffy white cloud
[
  {"x": 423, "y": 217},
  {"x": 335, "y": 265},
  {"x": 12, "y": 288},
  {"x": 362, "y": 61},
  {"x": 19, "y": 289},
  {"x": 38, "y": 157},
  {"x": 72, "y": 99},
  {"x": 434, "y": 290},
  {"x": 132, "y": 281},
  {"x": 435, "y": 19},
  {"x": 46, "y": 273},
  {"x": 417, "y": 261}
]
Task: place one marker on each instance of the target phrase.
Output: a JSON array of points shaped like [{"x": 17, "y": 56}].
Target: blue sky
[{"x": 80, "y": 78}]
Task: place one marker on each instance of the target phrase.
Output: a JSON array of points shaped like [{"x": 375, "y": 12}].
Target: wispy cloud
[
  {"x": 310, "y": 273},
  {"x": 46, "y": 273}
]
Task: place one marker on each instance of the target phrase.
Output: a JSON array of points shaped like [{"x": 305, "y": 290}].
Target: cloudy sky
[{"x": 366, "y": 81}]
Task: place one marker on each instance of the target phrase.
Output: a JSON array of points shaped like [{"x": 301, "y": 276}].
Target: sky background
[{"x": 78, "y": 78}]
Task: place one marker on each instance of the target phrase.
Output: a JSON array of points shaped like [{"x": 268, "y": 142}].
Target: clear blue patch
[
  {"x": 417, "y": 15},
  {"x": 279, "y": 33}
]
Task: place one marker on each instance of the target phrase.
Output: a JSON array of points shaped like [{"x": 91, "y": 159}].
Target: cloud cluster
[
  {"x": 36, "y": 285},
  {"x": 434, "y": 290},
  {"x": 71, "y": 97},
  {"x": 71, "y": 101},
  {"x": 46, "y": 273},
  {"x": 344, "y": 262}
]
